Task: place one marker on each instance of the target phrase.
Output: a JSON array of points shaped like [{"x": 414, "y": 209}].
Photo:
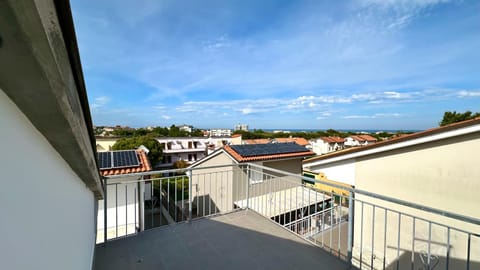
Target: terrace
[{"x": 218, "y": 217}]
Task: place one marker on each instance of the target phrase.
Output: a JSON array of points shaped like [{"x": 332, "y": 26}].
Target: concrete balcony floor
[{"x": 238, "y": 240}]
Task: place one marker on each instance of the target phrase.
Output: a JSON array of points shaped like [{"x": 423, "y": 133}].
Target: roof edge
[{"x": 429, "y": 135}]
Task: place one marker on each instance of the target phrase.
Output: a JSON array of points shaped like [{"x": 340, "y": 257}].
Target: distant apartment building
[
  {"x": 220, "y": 132},
  {"x": 243, "y": 127},
  {"x": 189, "y": 149},
  {"x": 359, "y": 140},
  {"x": 186, "y": 128},
  {"x": 325, "y": 145}
]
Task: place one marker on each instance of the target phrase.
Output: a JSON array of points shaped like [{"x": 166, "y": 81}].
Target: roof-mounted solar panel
[
  {"x": 250, "y": 150},
  {"x": 118, "y": 159}
]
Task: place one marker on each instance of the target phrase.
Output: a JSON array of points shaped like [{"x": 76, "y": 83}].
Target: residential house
[
  {"x": 256, "y": 141},
  {"x": 105, "y": 143},
  {"x": 189, "y": 149},
  {"x": 50, "y": 179},
  {"x": 125, "y": 194},
  {"x": 231, "y": 183},
  {"x": 329, "y": 144},
  {"x": 236, "y": 139},
  {"x": 437, "y": 168},
  {"x": 359, "y": 140}
]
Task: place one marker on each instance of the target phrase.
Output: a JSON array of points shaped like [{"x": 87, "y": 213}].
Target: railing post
[
  {"x": 248, "y": 184},
  {"x": 190, "y": 198},
  {"x": 141, "y": 203},
  {"x": 350, "y": 228},
  {"x": 105, "y": 211}
]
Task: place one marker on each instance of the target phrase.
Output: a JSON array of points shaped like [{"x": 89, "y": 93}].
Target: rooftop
[
  {"x": 268, "y": 151},
  {"x": 238, "y": 240},
  {"x": 333, "y": 139},
  {"x": 143, "y": 164}
]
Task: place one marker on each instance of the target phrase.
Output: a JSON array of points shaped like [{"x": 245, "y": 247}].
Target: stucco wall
[
  {"x": 289, "y": 165},
  {"x": 442, "y": 174},
  {"x": 48, "y": 214},
  {"x": 341, "y": 171},
  {"x": 104, "y": 144},
  {"x": 213, "y": 189}
]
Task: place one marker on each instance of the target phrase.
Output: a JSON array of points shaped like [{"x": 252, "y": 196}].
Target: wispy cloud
[
  {"x": 266, "y": 62},
  {"x": 465, "y": 93},
  {"x": 99, "y": 102},
  {"x": 374, "y": 116}
]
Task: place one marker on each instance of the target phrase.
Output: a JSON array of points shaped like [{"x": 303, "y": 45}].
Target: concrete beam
[{"x": 41, "y": 73}]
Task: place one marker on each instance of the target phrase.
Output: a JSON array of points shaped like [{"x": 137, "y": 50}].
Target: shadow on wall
[{"x": 204, "y": 206}]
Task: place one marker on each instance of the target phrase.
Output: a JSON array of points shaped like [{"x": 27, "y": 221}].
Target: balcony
[{"x": 250, "y": 216}]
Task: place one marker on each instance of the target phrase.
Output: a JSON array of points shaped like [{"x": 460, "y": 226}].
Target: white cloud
[
  {"x": 465, "y": 93},
  {"x": 166, "y": 117},
  {"x": 374, "y": 116},
  {"x": 100, "y": 102}
]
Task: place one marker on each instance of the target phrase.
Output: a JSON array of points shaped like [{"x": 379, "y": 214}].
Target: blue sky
[{"x": 372, "y": 64}]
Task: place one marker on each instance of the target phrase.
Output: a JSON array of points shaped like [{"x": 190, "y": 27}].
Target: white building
[
  {"x": 436, "y": 168},
  {"x": 243, "y": 127},
  {"x": 359, "y": 140},
  {"x": 220, "y": 132},
  {"x": 50, "y": 180},
  {"x": 186, "y": 128},
  {"x": 325, "y": 145},
  {"x": 189, "y": 149}
]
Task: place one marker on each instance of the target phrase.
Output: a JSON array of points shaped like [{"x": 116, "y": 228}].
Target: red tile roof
[
  {"x": 299, "y": 141},
  {"x": 363, "y": 138},
  {"x": 236, "y": 135},
  {"x": 240, "y": 158},
  {"x": 333, "y": 139},
  {"x": 256, "y": 141},
  {"x": 143, "y": 167}
]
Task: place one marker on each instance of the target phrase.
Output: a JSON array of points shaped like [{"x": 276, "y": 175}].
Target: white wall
[
  {"x": 341, "y": 171},
  {"x": 47, "y": 212}
]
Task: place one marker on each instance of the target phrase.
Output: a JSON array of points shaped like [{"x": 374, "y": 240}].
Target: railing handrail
[{"x": 417, "y": 206}]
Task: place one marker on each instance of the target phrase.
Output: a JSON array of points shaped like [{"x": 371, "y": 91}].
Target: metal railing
[{"x": 367, "y": 230}]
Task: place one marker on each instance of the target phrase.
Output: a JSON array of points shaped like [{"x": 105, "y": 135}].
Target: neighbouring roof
[
  {"x": 333, "y": 139},
  {"x": 110, "y": 167},
  {"x": 256, "y": 141},
  {"x": 236, "y": 135},
  {"x": 268, "y": 151},
  {"x": 432, "y": 134},
  {"x": 299, "y": 141},
  {"x": 363, "y": 138}
]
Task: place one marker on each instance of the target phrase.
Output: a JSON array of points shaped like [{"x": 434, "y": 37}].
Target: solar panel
[
  {"x": 105, "y": 160},
  {"x": 250, "y": 150},
  {"x": 118, "y": 159},
  {"x": 125, "y": 159}
]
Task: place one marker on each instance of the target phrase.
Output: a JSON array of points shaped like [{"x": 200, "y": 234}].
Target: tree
[
  {"x": 454, "y": 117},
  {"x": 155, "y": 154}
]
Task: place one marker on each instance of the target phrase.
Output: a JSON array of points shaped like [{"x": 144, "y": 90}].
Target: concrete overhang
[{"x": 41, "y": 72}]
